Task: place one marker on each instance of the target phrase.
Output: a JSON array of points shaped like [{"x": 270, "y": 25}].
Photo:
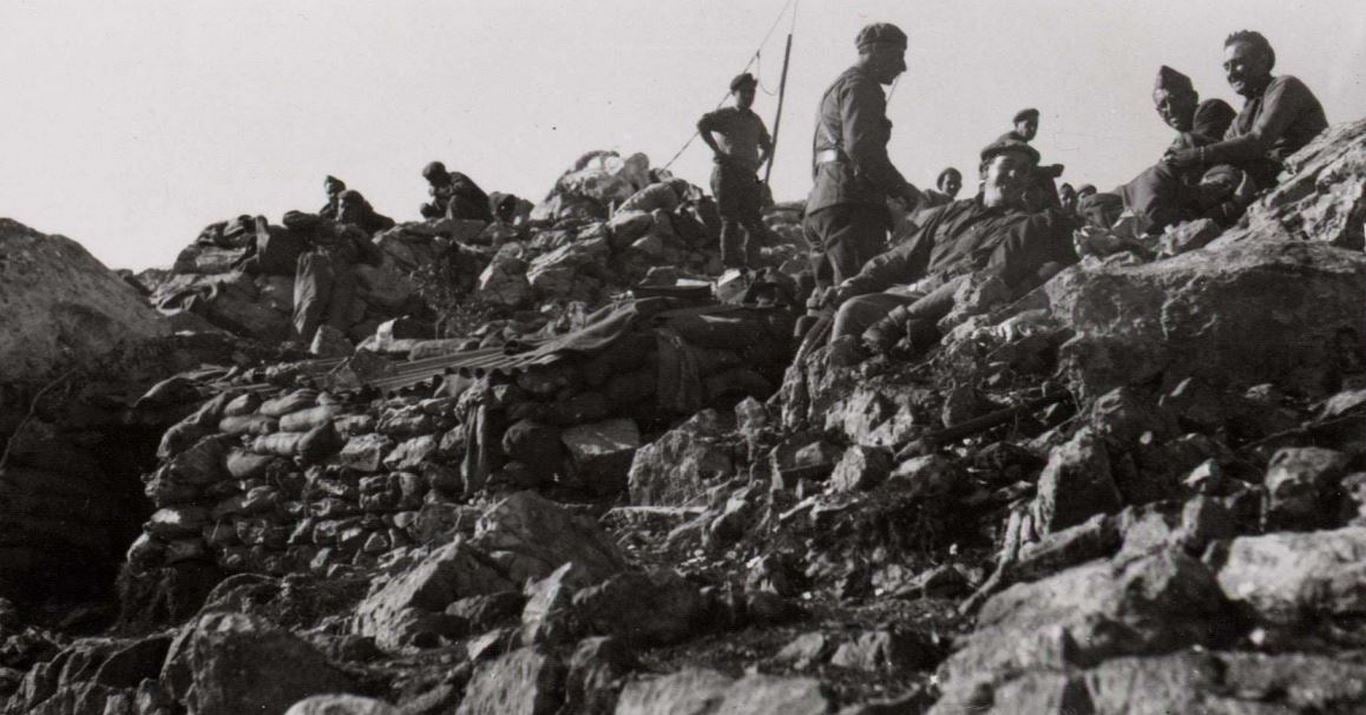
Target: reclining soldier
[{"x": 904, "y": 292}]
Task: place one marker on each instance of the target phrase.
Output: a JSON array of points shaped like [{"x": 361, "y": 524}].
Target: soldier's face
[
  {"x": 888, "y": 62},
  {"x": 1027, "y": 128},
  {"x": 1246, "y": 68},
  {"x": 744, "y": 97},
  {"x": 951, "y": 184},
  {"x": 1177, "y": 108},
  {"x": 1007, "y": 177}
]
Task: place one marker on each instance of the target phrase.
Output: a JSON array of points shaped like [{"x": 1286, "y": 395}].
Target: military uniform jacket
[
  {"x": 965, "y": 237},
  {"x": 852, "y": 124}
]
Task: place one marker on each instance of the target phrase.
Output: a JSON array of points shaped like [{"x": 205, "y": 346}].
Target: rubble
[{"x": 1142, "y": 482}]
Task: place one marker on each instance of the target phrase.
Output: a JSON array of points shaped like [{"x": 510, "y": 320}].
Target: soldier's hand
[{"x": 1182, "y": 158}]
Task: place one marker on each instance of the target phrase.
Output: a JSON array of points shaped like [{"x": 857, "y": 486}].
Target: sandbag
[
  {"x": 248, "y": 424},
  {"x": 177, "y": 522},
  {"x": 179, "y": 438},
  {"x": 293, "y": 402},
  {"x": 312, "y": 446},
  {"x": 242, "y": 464},
  {"x": 309, "y": 419},
  {"x": 202, "y": 464},
  {"x": 280, "y": 444},
  {"x": 242, "y": 405}
]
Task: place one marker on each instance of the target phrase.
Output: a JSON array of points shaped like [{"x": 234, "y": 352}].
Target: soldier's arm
[
  {"x": 765, "y": 144},
  {"x": 1045, "y": 238},
  {"x": 1281, "y": 105},
  {"x": 705, "y": 126},
  {"x": 902, "y": 265},
  {"x": 865, "y": 140}
]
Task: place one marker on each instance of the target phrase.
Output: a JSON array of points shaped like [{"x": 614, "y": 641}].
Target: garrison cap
[
  {"x": 1024, "y": 114},
  {"x": 1001, "y": 146},
  {"x": 435, "y": 168},
  {"x": 744, "y": 79},
  {"x": 1172, "y": 81},
  {"x": 881, "y": 33}
]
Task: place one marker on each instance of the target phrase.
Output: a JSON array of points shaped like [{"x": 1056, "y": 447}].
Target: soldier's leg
[
  {"x": 343, "y": 296},
  {"x": 859, "y": 313},
  {"x": 857, "y": 234},
  {"x": 727, "y": 193},
  {"x": 312, "y": 289}
]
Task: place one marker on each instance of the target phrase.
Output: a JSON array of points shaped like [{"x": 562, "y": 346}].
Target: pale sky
[{"x": 131, "y": 125}]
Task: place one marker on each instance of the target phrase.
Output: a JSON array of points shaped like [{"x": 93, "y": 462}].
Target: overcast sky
[{"x": 131, "y": 125}]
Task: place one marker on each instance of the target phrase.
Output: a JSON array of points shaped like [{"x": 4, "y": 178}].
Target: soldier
[
  {"x": 1163, "y": 194},
  {"x": 454, "y": 195},
  {"x": 333, "y": 187},
  {"x": 846, "y": 213},
  {"x": 1026, "y": 123},
  {"x": 743, "y": 148},
  {"x": 1280, "y": 114},
  {"x": 353, "y": 209},
  {"x": 902, "y": 293},
  {"x": 947, "y": 185}
]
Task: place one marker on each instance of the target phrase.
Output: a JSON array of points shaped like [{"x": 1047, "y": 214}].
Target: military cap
[
  {"x": 330, "y": 179},
  {"x": 1024, "y": 114},
  {"x": 435, "y": 168},
  {"x": 1172, "y": 81},
  {"x": 743, "y": 80},
  {"x": 1001, "y": 146},
  {"x": 881, "y": 33}
]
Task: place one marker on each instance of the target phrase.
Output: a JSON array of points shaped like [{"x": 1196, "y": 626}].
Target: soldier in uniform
[
  {"x": 744, "y": 146},
  {"x": 454, "y": 195},
  {"x": 846, "y": 213}
]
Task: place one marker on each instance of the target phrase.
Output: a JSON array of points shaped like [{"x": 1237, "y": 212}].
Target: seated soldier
[
  {"x": 454, "y": 195},
  {"x": 913, "y": 285},
  {"x": 333, "y": 187},
  {"x": 1280, "y": 115},
  {"x": 947, "y": 186},
  {"x": 1067, "y": 197},
  {"x": 1164, "y": 194},
  {"x": 324, "y": 278},
  {"x": 353, "y": 209}
]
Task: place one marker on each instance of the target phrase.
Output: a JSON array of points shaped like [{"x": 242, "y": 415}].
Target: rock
[
  {"x": 329, "y": 342},
  {"x": 692, "y": 691},
  {"x": 555, "y": 275},
  {"x": 885, "y": 651},
  {"x": 1303, "y": 488},
  {"x": 1154, "y": 603},
  {"x": 228, "y": 663},
  {"x": 1299, "y": 580},
  {"x": 483, "y": 613},
  {"x": 1075, "y": 484},
  {"x": 365, "y": 453},
  {"x": 523, "y": 682},
  {"x": 341, "y": 704},
  {"x": 861, "y": 469},
  {"x": 806, "y": 650},
  {"x": 504, "y": 282},
  {"x": 548, "y": 616},
  {"x": 700, "y": 691},
  {"x": 394, "y": 615},
  {"x": 1254, "y": 312},
  {"x": 655, "y": 608},
  {"x": 63, "y": 306},
  {"x": 928, "y": 475},
  {"x": 1188, "y": 236},
  {"x": 596, "y": 667},
  {"x": 1095, "y": 538},
  {"x": 412, "y": 453},
  {"x": 682, "y": 464},
  {"x": 602, "y": 453},
  {"x": 529, "y": 536},
  {"x": 1321, "y": 198}
]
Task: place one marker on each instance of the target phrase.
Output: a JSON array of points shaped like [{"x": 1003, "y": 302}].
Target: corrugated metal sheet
[{"x": 472, "y": 363}]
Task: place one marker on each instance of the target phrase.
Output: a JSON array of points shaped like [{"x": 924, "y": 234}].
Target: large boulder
[
  {"x": 1323, "y": 196},
  {"x": 1300, "y": 580},
  {"x": 61, "y": 305},
  {"x": 683, "y": 463},
  {"x": 1254, "y": 312},
  {"x": 1148, "y": 604},
  {"x": 529, "y": 536},
  {"x": 228, "y": 663}
]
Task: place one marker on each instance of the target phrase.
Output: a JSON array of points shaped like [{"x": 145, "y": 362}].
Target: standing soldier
[
  {"x": 743, "y": 148},
  {"x": 846, "y": 213}
]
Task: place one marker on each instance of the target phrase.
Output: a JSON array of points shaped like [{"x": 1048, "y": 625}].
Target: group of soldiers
[{"x": 1017, "y": 231}]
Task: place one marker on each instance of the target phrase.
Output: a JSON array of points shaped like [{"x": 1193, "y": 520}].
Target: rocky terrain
[{"x": 560, "y": 465}]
